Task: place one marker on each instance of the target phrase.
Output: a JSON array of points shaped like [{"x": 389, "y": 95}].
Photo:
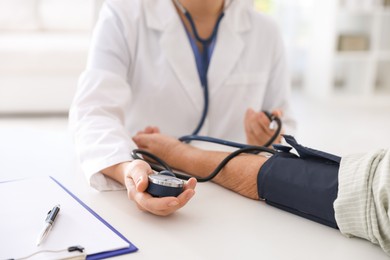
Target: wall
[{"x": 43, "y": 49}]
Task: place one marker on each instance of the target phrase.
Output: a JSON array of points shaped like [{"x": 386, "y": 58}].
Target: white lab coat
[{"x": 142, "y": 72}]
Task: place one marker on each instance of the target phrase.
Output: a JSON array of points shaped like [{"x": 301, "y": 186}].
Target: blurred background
[{"x": 338, "y": 52}]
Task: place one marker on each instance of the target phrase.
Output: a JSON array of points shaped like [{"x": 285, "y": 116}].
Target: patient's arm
[{"x": 239, "y": 175}]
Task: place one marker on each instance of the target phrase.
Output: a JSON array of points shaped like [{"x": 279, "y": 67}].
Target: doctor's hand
[
  {"x": 134, "y": 175},
  {"x": 257, "y": 127}
]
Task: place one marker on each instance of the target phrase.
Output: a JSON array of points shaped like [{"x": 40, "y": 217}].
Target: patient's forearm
[{"x": 239, "y": 175}]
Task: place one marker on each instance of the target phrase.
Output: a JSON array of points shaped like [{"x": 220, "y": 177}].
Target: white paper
[{"x": 23, "y": 208}]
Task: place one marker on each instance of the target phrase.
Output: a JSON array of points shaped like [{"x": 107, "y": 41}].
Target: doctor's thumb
[
  {"x": 141, "y": 184},
  {"x": 277, "y": 112}
]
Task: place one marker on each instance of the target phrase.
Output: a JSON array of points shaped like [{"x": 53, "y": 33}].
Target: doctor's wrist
[{"x": 117, "y": 172}]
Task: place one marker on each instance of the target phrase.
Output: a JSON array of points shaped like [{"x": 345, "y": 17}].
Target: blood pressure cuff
[{"x": 305, "y": 184}]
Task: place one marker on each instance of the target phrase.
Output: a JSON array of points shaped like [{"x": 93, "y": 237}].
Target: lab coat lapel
[
  {"x": 229, "y": 45},
  {"x": 162, "y": 16},
  {"x": 176, "y": 46}
]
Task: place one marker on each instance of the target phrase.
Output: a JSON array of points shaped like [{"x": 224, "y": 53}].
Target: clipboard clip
[{"x": 76, "y": 248}]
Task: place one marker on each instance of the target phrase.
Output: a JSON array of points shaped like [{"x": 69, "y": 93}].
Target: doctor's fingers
[
  {"x": 189, "y": 191},
  {"x": 190, "y": 184},
  {"x": 132, "y": 193},
  {"x": 137, "y": 175},
  {"x": 158, "y": 206},
  {"x": 161, "y": 206},
  {"x": 277, "y": 113},
  {"x": 265, "y": 122},
  {"x": 166, "y": 205},
  {"x": 257, "y": 125}
]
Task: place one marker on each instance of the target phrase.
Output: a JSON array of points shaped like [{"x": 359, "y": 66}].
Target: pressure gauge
[{"x": 164, "y": 184}]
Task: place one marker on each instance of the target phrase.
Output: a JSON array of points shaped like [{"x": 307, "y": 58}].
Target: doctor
[{"x": 207, "y": 67}]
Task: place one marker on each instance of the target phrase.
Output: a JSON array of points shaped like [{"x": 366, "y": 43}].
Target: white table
[
  {"x": 219, "y": 224},
  {"x": 216, "y": 224}
]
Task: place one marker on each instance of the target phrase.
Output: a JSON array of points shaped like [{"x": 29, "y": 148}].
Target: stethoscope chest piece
[{"x": 164, "y": 184}]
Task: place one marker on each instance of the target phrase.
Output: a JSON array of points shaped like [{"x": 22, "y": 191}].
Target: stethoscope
[
  {"x": 205, "y": 58},
  {"x": 169, "y": 183}
]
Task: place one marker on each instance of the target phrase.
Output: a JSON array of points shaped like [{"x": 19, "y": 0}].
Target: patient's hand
[
  {"x": 163, "y": 146},
  {"x": 149, "y": 130}
]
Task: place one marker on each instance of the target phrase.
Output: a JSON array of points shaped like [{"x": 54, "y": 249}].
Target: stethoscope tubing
[
  {"x": 164, "y": 166},
  {"x": 205, "y": 43}
]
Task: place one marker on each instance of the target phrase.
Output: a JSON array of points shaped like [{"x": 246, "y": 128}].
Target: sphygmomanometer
[{"x": 166, "y": 182}]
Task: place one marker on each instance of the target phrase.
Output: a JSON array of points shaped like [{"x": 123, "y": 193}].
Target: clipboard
[{"x": 24, "y": 203}]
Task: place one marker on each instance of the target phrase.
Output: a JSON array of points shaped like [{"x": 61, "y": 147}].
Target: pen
[{"x": 49, "y": 221}]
